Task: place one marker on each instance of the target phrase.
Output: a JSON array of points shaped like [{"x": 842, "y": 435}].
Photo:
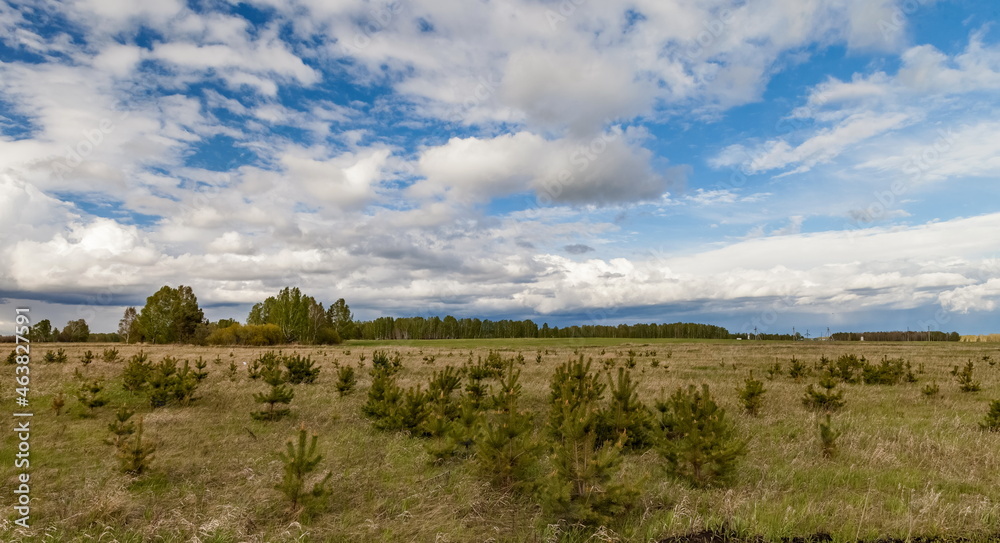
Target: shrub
[
  {"x": 412, "y": 412},
  {"x": 299, "y": 461},
  {"x": 453, "y": 437},
  {"x": 825, "y": 400},
  {"x": 699, "y": 442},
  {"x": 751, "y": 395},
  {"x": 301, "y": 369},
  {"x": 991, "y": 423},
  {"x": 110, "y": 355}
]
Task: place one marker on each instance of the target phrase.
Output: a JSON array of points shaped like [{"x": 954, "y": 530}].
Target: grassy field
[{"x": 907, "y": 465}]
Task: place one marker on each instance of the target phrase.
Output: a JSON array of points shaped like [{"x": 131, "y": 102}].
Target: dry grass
[{"x": 906, "y": 465}]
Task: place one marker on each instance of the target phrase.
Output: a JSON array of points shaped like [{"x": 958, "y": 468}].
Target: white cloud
[
  {"x": 607, "y": 169},
  {"x": 820, "y": 148}
]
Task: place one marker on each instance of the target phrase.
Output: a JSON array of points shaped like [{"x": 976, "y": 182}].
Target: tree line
[
  {"x": 450, "y": 327},
  {"x": 172, "y": 315},
  {"x": 896, "y": 336}
]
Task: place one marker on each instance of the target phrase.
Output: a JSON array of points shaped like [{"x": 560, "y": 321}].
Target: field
[{"x": 906, "y": 466}]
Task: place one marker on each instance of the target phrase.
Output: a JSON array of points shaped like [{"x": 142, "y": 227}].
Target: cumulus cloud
[{"x": 605, "y": 169}]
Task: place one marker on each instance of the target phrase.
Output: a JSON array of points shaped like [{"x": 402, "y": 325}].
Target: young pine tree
[
  {"x": 581, "y": 487},
  {"x": 90, "y": 395},
  {"x": 134, "y": 455},
  {"x": 346, "y": 379},
  {"x": 121, "y": 428},
  {"x": 572, "y": 385},
  {"x": 384, "y": 397},
  {"x": 825, "y": 400},
  {"x": 300, "y": 459},
  {"x": 505, "y": 449},
  {"x": 992, "y": 421},
  {"x": 751, "y": 395},
  {"x": 828, "y": 438},
  {"x": 699, "y": 442},
  {"x": 625, "y": 416},
  {"x": 964, "y": 377},
  {"x": 279, "y": 393}
]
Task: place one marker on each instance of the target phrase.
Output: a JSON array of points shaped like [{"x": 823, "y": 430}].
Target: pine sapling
[
  {"x": 699, "y": 442},
  {"x": 301, "y": 459},
  {"x": 992, "y": 421},
  {"x": 625, "y": 417},
  {"x": 930, "y": 390},
  {"x": 122, "y": 427},
  {"x": 136, "y": 372},
  {"x": 964, "y": 378},
  {"x": 346, "y": 380},
  {"x": 134, "y": 455},
  {"x": 505, "y": 450},
  {"x": 110, "y": 355},
  {"x": 797, "y": 369},
  {"x": 825, "y": 400},
  {"x": 87, "y": 357},
  {"x": 278, "y": 394},
  {"x": 301, "y": 369},
  {"x": 751, "y": 395},
  {"x": 200, "y": 365},
  {"x": 583, "y": 486},
  {"x": 828, "y": 438},
  {"x": 90, "y": 395}
]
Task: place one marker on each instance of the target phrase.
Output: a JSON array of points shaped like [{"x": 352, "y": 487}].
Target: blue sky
[{"x": 817, "y": 163}]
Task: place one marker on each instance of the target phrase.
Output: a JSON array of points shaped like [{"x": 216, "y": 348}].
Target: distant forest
[
  {"x": 452, "y": 328},
  {"x": 172, "y": 315},
  {"x": 896, "y": 336}
]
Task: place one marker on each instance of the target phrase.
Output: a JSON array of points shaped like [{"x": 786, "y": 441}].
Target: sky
[{"x": 768, "y": 164}]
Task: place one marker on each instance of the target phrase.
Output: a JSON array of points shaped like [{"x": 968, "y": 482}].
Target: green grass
[{"x": 906, "y": 465}]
